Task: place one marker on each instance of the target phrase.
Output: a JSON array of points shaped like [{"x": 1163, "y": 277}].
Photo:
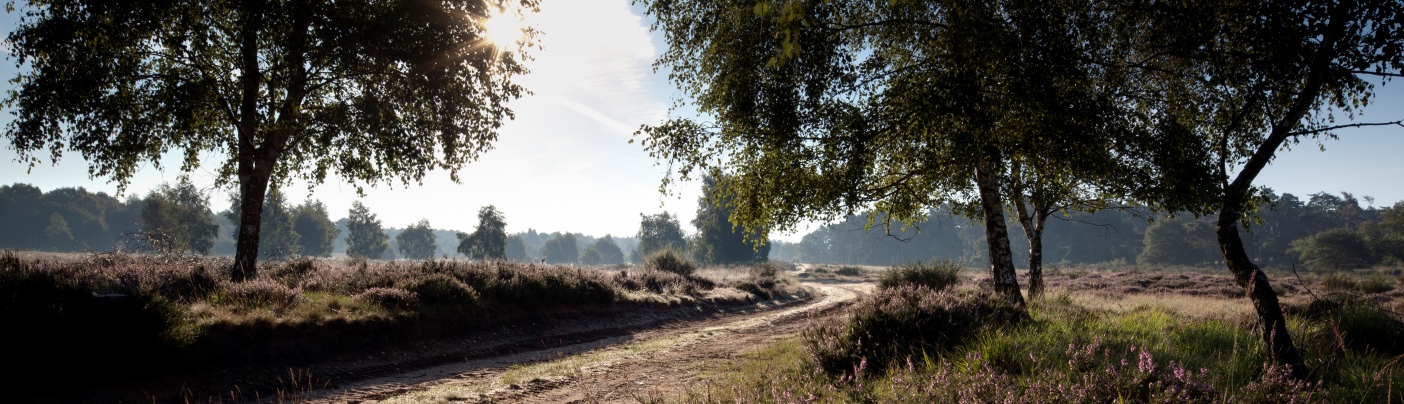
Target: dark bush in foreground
[
  {"x": 937, "y": 275},
  {"x": 1360, "y": 326},
  {"x": 900, "y": 322},
  {"x": 670, "y": 260},
  {"x": 55, "y": 325}
]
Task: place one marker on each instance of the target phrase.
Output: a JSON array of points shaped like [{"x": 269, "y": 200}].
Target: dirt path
[{"x": 624, "y": 368}]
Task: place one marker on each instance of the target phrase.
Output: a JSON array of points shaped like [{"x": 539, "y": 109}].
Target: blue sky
[{"x": 565, "y": 163}]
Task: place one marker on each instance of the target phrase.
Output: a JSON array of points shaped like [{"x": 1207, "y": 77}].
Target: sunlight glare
[{"x": 502, "y": 29}]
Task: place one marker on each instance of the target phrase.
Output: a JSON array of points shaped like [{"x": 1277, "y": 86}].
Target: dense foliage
[
  {"x": 416, "y": 242},
  {"x": 364, "y": 236},
  {"x": 316, "y": 232},
  {"x": 175, "y": 219},
  {"x": 719, "y": 241},
  {"x": 489, "y": 240}
]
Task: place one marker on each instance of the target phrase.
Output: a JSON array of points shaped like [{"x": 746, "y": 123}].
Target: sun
[{"x": 502, "y": 29}]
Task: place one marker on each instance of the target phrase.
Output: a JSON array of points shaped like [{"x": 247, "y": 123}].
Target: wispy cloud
[{"x": 598, "y": 116}]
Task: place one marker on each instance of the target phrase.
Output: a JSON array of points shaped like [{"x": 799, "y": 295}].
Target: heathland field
[{"x": 144, "y": 327}]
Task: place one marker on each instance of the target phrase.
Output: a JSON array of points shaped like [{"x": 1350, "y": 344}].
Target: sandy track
[{"x": 623, "y": 368}]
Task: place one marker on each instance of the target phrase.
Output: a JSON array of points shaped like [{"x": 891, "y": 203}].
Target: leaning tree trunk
[{"x": 1006, "y": 281}]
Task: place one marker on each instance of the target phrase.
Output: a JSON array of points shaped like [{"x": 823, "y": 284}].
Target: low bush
[
  {"x": 442, "y": 289},
  {"x": 937, "y": 275},
  {"x": 903, "y": 321},
  {"x": 1355, "y": 325},
  {"x": 849, "y": 271},
  {"x": 261, "y": 293},
  {"x": 389, "y": 298},
  {"x": 54, "y": 325},
  {"x": 670, "y": 260}
]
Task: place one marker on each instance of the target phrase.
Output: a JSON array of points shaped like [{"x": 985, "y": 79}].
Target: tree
[
  {"x": 718, "y": 240},
  {"x": 560, "y": 249},
  {"x": 602, "y": 252},
  {"x": 1232, "y": 82},
  {"x": 364, "y": 235},
  {"x": 315, "y": 230},
  {"x": 177, "y": 219},
  {"x": 657, "y": 232},
  {"x": 369, "y": 91},
  {"x": 277, "y": 238},
  {"x": 1176, "y": 241},
  {"x": 56, "y": 233},
  {"x": 823, "y": 109},
  {"x": 1334, "y": 250},
  {"x": 416, "y": 242},
  {"x": 489, "y": 240},
  {"x": 516, "y": 249}
]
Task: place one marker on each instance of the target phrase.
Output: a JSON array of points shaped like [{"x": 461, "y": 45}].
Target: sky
[{"x": 566, "y": 164}]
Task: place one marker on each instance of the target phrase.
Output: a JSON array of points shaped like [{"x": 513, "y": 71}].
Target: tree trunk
[
  {"x": 1006, "y": 281},
  {"x": 1035, "y": 235},
  {"x": 253, "y": 181},
  {"x": 1259, "y": 290},
  {"x": 1033, "y": 230},
  {"x": 252, "y": 191}
]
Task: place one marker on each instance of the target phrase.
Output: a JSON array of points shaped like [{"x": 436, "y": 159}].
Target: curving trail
[{"x": 625, "y": 368}]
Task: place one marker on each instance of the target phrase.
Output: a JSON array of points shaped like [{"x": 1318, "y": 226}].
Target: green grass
[{"x": 1048, "y": 359}]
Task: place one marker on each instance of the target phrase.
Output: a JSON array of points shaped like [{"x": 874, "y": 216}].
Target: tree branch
[{"x": 1399, "y": 123}]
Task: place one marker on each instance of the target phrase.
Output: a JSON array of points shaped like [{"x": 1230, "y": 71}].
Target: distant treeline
[
  {"x": 73, "y": 219},
  {"x": 1330, "y": 231},
  {"x": 1324, "y": 231},
  {"x": 65, "y": 219}
]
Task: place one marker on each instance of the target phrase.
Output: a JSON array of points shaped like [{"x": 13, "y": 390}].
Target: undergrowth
[
  {"x": 1066, "y": 353},
  {"x": 145, "y": 314}
]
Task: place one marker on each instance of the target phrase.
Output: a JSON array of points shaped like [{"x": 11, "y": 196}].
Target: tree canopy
[
  {"x": 657, "y": 232},
  {"x": 489, "y": 239},
  {"x": 315, "y": 230},
  {"x": 719, "y": 241},
  {"x": 364, "y": 235},
  {"x": 176, "y": 219},
  {"x": 369, "y": 91},
  {"x": 417, "y": 241}
]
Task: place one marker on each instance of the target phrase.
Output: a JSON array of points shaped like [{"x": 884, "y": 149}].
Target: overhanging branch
[{"x": 1399, "y": 123}]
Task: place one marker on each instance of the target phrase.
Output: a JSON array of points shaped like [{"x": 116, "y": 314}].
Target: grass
[
  {"x": 149, "y": 315},
  {"x": 1100, "y": 336}
]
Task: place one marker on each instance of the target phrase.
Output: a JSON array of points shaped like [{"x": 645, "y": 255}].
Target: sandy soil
[{"x": 632, "y": 367}]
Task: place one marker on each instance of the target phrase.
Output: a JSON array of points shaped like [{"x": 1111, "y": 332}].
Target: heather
[
  {"x": 1092, "y": 340},
  {"x": 154, "y": 313}
]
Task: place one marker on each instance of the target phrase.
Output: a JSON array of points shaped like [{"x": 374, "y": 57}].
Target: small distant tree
[
  {"x": 516, "y": 249},
  {"x": 56, "y": 233},
  {"x": 719, "y": 241},
  {"x": 364, "y": 236},
  {"x": 417, "y": 241},
  {"x": 315, "y": 230},
  {"x": 603, "y": 251},
  {"x": 659, "y": 231},
  {"x": 179, "y": 216},
  {"x": 277, "y": 238},
  {"x": 1334, "y": 250},
  {"x": 1174, "y": 241},
  {"x": 560, "y": 249},
  {"x": 489, "y": 240}
]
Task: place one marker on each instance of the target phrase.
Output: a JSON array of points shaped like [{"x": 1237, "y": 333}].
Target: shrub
[
  {"x": 937, "y": 275},
  {"x": 390, "y": 298},
  {"x": 670, "y": 260},
  {"x": 1338, "y": 282},
  {"x": 442, "y": 289},
  {"x": 903, "y": 321},
  {"x": 1366, "y": 327},
  {"x": 56, "y": 326},
  {"x": 262, "y": 293},
  {"x": 849, "y": 271}
]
